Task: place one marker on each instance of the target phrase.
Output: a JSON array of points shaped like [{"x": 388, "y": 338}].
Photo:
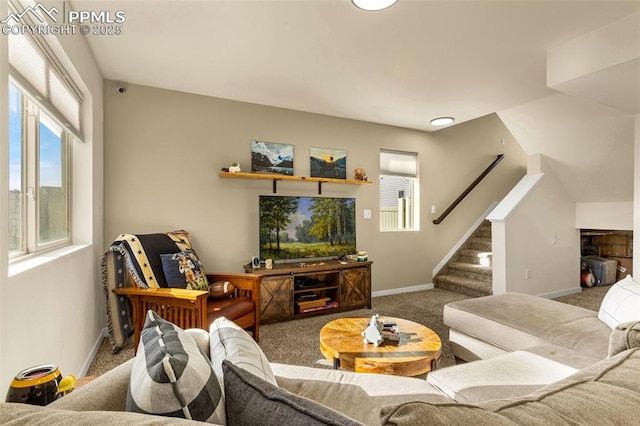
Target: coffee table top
[{"x": 419, "y": 346}]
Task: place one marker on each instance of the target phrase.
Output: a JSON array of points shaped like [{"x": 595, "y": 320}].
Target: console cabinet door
[
  {"x": 276, "y": 298},
  {"x": 355, "y": 287}
]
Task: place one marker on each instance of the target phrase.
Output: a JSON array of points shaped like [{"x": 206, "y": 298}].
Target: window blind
[
  {"x": 399, "y": 163},
  {"x": 34, "y": 67}
]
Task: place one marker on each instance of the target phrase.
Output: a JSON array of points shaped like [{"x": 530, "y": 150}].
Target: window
[
  {"x": 39, "y": 181},
  {"x": 16, "y": 187},
  {"x": 44, "y": 118},
  {"x": 398, "y": 191}
]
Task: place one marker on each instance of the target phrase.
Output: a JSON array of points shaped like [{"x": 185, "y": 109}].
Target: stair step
[
  {"x": 469, "y": 272},
  {"x": 471, "y": 267},
  {"x": 480, "y": 244},
  {"x": 476, "y": 257},
  {"x": 484, "y": 233},
  {"x": 462, "y": 285}
]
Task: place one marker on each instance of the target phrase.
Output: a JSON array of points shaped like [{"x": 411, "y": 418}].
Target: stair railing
[{"x": 468, "y": 190}]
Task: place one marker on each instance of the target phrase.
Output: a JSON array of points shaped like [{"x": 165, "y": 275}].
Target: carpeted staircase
[{"x": 469, "y": 270}]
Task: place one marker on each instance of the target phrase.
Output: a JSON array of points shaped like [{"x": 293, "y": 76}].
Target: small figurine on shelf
[
  {"x": 359, "y": 174},
  {"x": 234, "y": 168},
  {"x": 372, "y": 332}
]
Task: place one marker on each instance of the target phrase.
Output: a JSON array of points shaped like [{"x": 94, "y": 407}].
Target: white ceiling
[{"x": 402, "y": 66}]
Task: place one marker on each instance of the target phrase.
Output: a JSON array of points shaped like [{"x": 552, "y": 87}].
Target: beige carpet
[{"x": 296, "y": 342}]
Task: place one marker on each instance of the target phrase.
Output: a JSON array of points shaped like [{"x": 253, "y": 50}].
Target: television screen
[{"x": 305, "y": 228}]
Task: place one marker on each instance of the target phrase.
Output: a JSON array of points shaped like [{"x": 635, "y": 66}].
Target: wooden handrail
[{"x": 468, "y": 190}]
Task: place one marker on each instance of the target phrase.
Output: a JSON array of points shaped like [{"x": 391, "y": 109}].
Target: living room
[{"x": 150, "y": 162}]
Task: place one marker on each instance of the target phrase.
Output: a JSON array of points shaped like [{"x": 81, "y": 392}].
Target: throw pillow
[
  {"x": 621, "y": 303},
  {"x": 172, "y": 377},
  {"x": 253, "y": 401},
  {"x": 230, "y": 342},
  {"x": 221, "y": 289},
  {"x": 184, "y": 270},
  {"x": 624, "y": 336}
]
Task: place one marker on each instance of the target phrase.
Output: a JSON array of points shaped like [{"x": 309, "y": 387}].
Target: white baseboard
[
  {"x": 402, "y": 290},
  {"x": 561, "y": 293},
  {"x": 94, "y": 350}
]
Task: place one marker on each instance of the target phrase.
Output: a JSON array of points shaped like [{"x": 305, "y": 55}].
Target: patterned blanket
[{"x": 134, "y": 260}]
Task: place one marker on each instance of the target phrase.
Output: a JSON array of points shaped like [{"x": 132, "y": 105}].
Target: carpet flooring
[{"x": 296, "y": 342}]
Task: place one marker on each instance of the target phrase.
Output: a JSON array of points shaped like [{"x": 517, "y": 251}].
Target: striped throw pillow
[
  {"x": 172, "y": 377},
  {"x": 231, "y": 342}
]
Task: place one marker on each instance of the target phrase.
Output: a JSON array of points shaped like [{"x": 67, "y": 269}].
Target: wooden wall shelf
[{"x": 276, "y": 178}]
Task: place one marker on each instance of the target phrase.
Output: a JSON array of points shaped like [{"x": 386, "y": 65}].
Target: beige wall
[
  {"x": 52, "y": 306},
  {"x": 636, "y": 222},
  {"x": 536, "y": 247},
  {"x": 164, "y": 149},
  {"x": 611, "y": 215}
]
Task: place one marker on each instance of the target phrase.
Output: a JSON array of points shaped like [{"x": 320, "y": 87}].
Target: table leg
[{"x": 336, "y": 363}]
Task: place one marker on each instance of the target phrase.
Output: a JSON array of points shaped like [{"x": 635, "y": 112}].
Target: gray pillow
[
  {"x": 624, "y": 336},
  {"x": 171, "y": 376},
  {"x": 253, "y": 401}
]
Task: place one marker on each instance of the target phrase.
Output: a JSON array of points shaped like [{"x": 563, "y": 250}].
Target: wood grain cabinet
[
  {"x": 275, "y": 297},
  {"x": 300, "y": 290},
  {"x": 355, "y": 288}
]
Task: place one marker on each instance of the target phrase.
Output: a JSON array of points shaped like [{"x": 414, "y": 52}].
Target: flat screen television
[{"x": 306, "y": 228}]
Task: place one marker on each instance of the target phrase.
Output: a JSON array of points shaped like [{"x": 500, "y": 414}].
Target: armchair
[{"x": 137, "y": 278}]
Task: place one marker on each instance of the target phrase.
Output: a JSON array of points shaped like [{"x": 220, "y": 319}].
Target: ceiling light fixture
[
  {"x": 442, "y": 121},
  {"x": 373, "y": 4}
]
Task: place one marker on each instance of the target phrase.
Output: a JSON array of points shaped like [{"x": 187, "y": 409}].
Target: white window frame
[
  {"x": 41, "y": 77},
  {"x": 31, "y": 114},
  {"x": 405, "y": 215}
]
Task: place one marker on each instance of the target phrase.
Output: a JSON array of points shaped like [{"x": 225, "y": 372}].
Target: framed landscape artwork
[
  {"x": 270, "y": 157},
  {"x": 328, "y": 163}
]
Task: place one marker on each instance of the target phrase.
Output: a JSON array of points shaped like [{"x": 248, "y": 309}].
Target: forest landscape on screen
[{"x": 306, "y": 228}]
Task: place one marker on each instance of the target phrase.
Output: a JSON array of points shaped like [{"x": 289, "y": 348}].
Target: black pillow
[{"x": 249, "y": 400}]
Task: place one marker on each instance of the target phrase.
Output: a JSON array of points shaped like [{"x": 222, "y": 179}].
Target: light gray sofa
[
  {"x": 519, "y": 343},
  {"x": 358, "y": 396},
  {"x": 606, "y": 393},
  {"x": 535, "y": 361},
  {"x": 490, "y": 326}
]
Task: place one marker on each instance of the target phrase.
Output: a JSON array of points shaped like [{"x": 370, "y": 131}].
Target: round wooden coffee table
[{"x": 416, "y": 353}]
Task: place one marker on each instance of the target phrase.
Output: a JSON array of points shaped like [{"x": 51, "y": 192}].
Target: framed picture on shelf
[
  {"x": 328, "y": 163},
  {"x": 270, "y": 157}
]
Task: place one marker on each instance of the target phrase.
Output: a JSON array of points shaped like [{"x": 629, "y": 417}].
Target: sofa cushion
[
  {"x": 624, "y": 336},
  {"x": 563, "y": 355},
  {"x": 231, "y": 342},
  {"x": 606, "y": 393},
  {"x": 91, "y": 396},
  {"x": 172, "y": 377},
  {"x": 514, "y": 374},
  {"x": 621, "y": 303},
  {"x": 12, "y": 414},
  {"x": 338, "y": 389},
  {"x": 253, "y": 401},
  {"x": 230, "y": 308},
  {"x": 415, "y": 413},
  {"x": 514, "y": 321}
]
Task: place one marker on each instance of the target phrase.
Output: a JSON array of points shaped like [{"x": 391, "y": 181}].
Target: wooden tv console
[{"x": 298, "y": 290}]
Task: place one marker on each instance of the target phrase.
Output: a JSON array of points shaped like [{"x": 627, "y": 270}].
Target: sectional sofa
[{"x": 581, "y": 383}]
